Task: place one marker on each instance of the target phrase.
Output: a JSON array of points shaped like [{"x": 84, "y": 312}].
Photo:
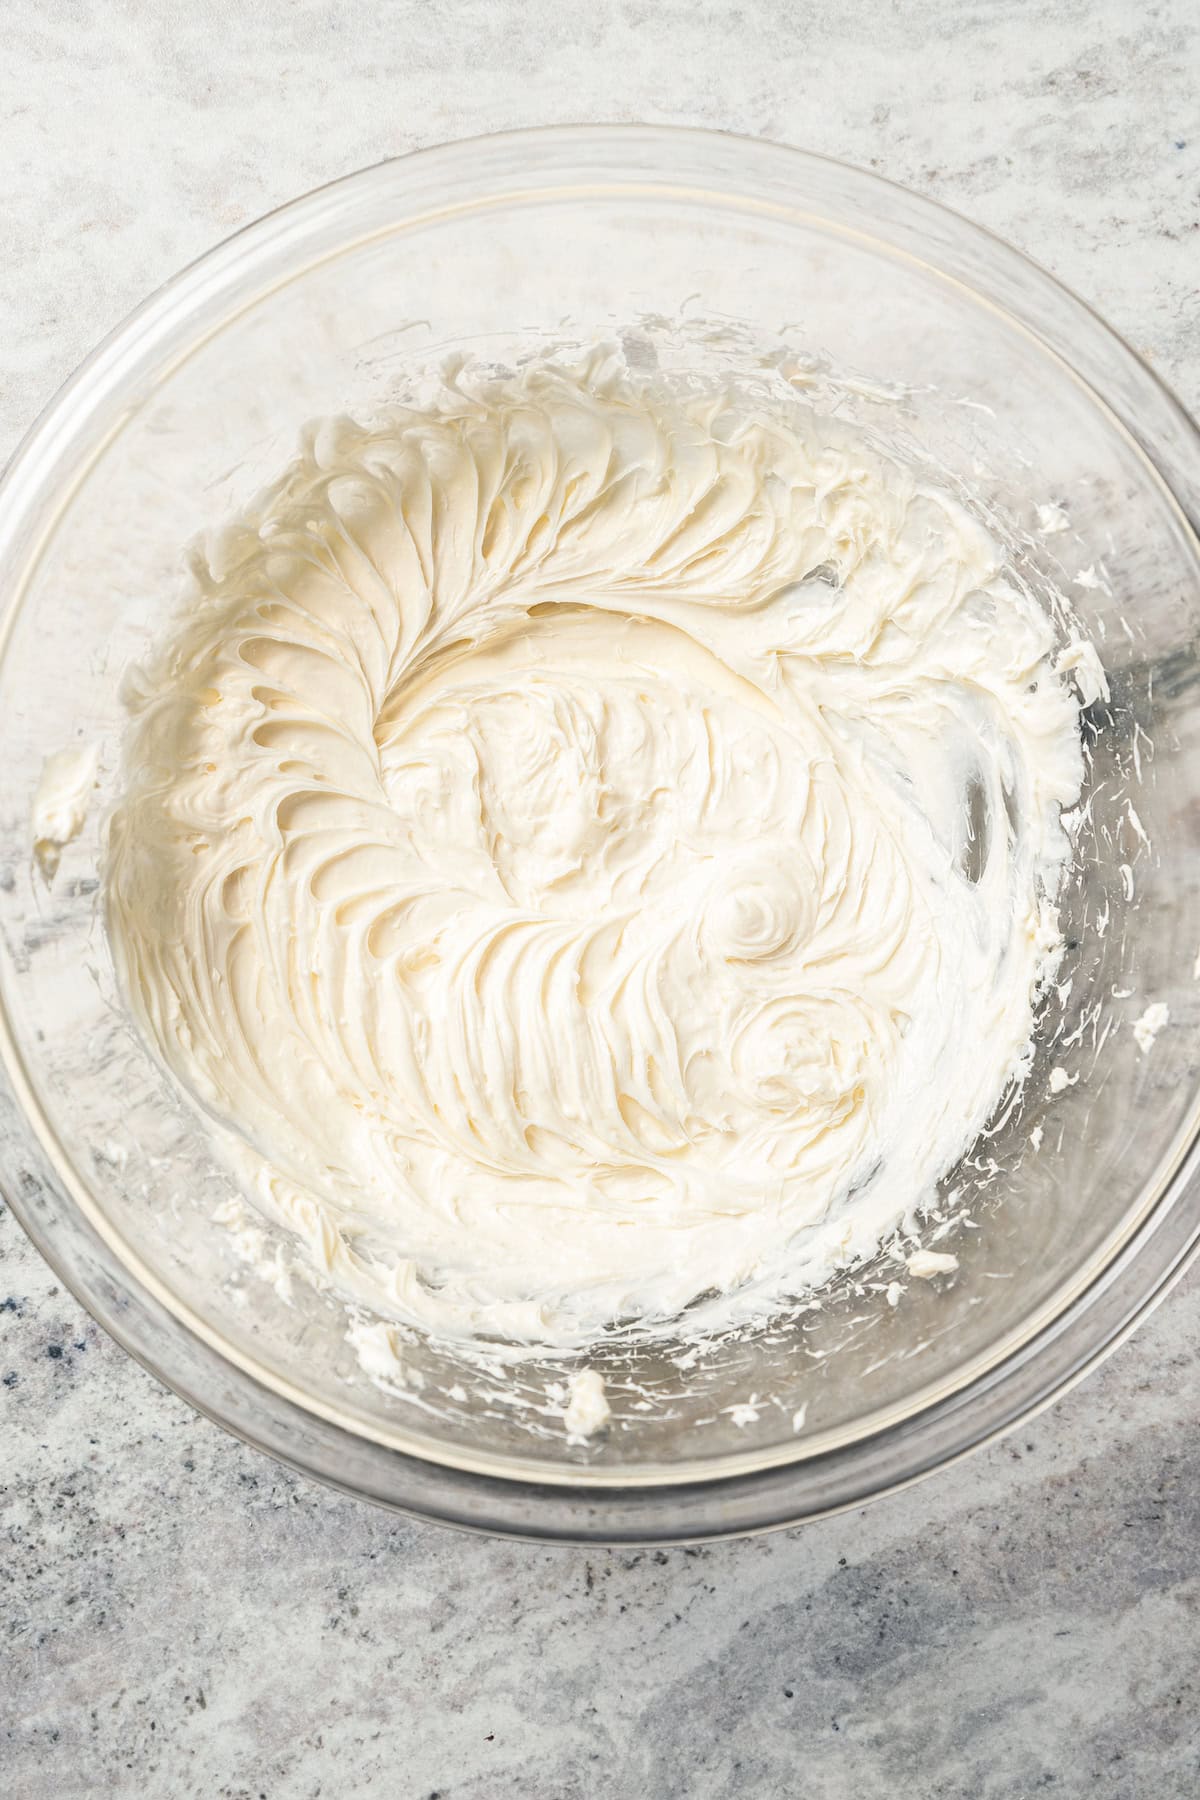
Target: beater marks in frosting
[{"x": 595, "y": 841}]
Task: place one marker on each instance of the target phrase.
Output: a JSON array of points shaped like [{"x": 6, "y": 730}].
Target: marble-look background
[{"x": 180, "y": 1617}]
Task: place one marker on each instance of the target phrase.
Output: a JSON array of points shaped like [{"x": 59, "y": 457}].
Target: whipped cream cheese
[
  {"x": 595, "y": 842},
  {"x": 60, "y": 803},
  {"x": 587, "y": 1410}
]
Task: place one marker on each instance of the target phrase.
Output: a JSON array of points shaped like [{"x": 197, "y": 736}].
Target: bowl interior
[{"x": 904, "y": 321}]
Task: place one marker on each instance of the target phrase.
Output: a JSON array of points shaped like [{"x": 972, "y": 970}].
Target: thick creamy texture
[{"x": 596, "y": 844}]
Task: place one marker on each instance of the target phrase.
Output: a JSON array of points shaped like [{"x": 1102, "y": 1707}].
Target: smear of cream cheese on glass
[
  {"x": 60, "y": 803},
  {"x": 596, "y": 844},
  {"x": 587, "y": 1410}
]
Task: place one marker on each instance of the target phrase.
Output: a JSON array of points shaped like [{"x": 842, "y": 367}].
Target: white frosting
[
  {"x": 60, "y": 804},
  {"x": 925, "y": 1264},
  {"x": 1051, "y": 520},
  {"x": 587, "y": 1410},
  {"x": 379, "y": 1349},
  {"x": 597, "y": 846},
  {"x": 1079, "y": 659},
  {"x": 1156, "y": 1018}
]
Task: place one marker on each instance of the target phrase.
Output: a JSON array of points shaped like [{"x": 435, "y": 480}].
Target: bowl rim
[{"x": 50, "y": 451}]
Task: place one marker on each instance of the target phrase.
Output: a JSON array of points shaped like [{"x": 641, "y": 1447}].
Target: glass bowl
[{"x": 685, "y": 247}]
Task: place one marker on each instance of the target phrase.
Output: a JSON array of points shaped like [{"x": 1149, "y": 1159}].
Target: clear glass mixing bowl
[{"x": 685, "y": 246}]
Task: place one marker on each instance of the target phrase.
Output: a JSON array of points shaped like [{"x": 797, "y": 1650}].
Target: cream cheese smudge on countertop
[{"x": 596, "y": 842}]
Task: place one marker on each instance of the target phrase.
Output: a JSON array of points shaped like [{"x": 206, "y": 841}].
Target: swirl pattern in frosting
[{"x": 595, "y": 841}]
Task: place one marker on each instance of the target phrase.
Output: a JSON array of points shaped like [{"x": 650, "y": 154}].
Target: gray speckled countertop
[{"x": 181, "y": 1617}]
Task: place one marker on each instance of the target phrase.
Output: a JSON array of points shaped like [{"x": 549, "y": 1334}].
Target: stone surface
[{"x": 179, "y": 1616}]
